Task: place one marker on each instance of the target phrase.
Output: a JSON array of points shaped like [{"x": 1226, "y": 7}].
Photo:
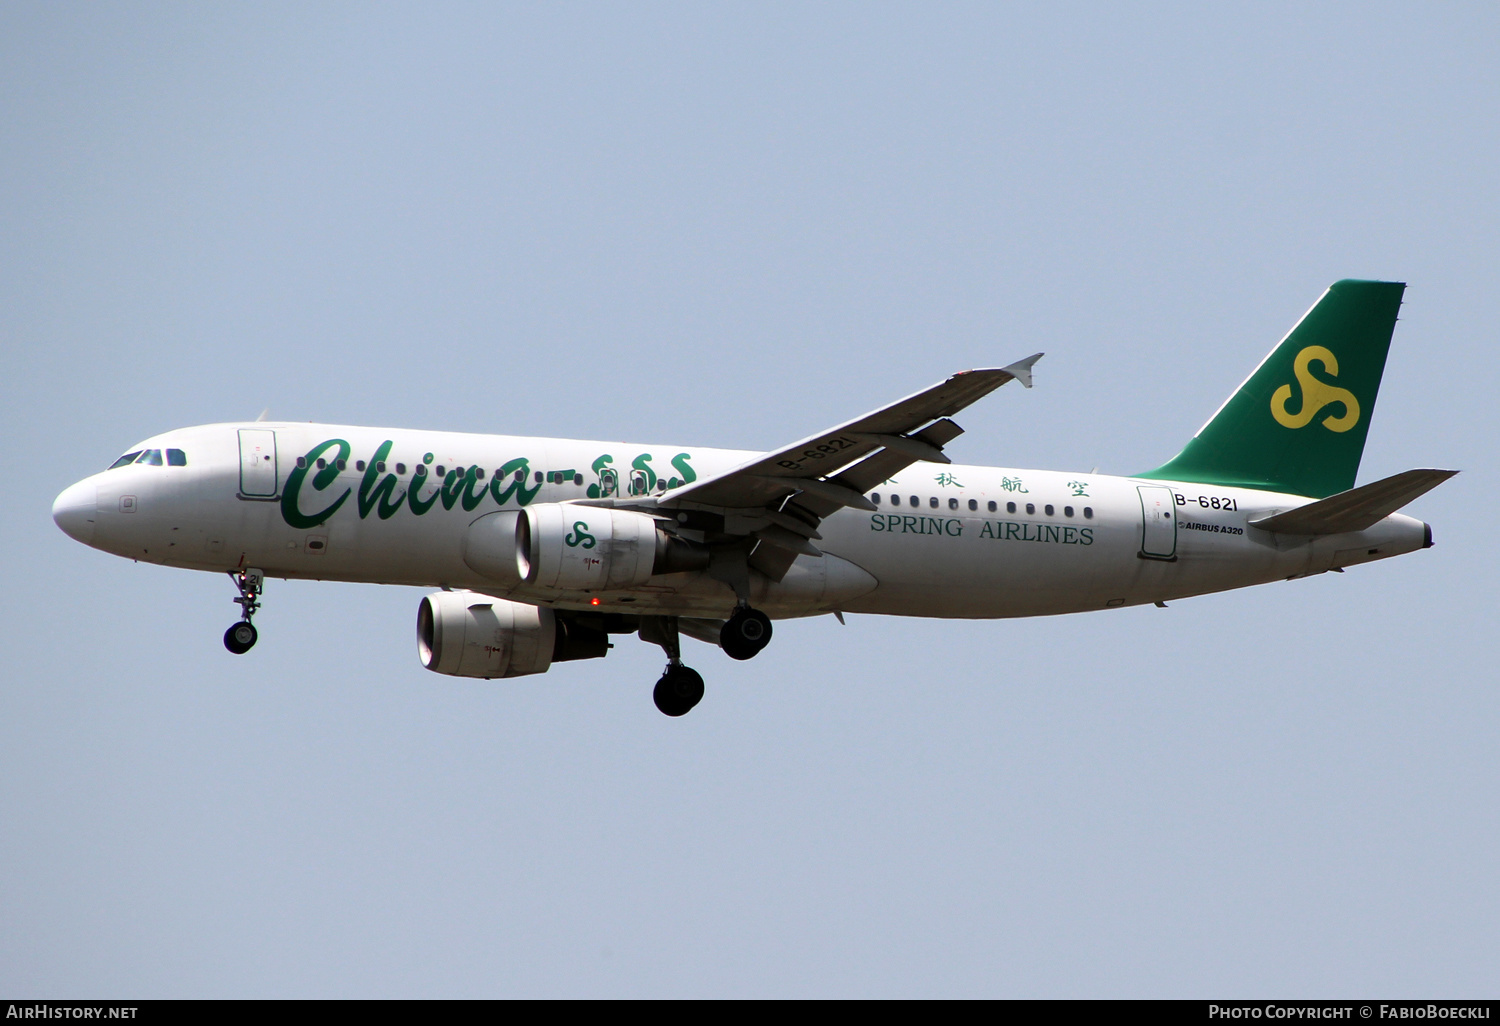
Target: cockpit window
[
  {"x": 176, "y": 458},
  {"x": 125, "y": 460},
  {"x": 151, "y": 458}
]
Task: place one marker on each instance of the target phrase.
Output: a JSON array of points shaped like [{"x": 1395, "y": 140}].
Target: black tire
[
  {"x": 745, "y": 634},
  {"x": 241, "y": 637},
  {"x": 678, "y": 690}
]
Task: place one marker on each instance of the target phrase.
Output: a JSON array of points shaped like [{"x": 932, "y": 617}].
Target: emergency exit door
[
  {"x": 258, "y": 470},
  {"x": 1158, "y": 522}
]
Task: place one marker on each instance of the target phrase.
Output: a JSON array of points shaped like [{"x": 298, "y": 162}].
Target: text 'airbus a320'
[{"x": 545, "y": 547}]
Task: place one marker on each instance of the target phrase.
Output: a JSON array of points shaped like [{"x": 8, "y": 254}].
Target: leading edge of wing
[{"x": 827, "y": 452}]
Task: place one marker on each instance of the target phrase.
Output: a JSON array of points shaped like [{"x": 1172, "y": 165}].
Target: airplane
[{"x": 544, "y": 548}]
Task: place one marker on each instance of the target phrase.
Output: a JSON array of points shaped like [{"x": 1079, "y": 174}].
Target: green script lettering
[
  {"x": 419, "y": 505},
  {"x": 290, "y": 512},
  {"x": 516, "y": 472},
  {"x": 370, "y": 493}
]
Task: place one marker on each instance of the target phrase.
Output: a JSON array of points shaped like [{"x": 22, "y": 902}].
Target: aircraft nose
[{"x": 76, "y": 509}]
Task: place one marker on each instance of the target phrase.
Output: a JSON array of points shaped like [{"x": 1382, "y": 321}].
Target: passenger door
[
  {"x": 258, "y": 464},
  {"x": 1158, "y": 522}
]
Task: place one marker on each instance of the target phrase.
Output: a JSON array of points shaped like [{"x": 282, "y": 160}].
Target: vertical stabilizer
[{"x": 1298, "y": 424}]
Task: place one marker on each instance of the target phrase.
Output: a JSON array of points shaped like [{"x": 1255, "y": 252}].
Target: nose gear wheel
[{"x": 241, "y": 637}]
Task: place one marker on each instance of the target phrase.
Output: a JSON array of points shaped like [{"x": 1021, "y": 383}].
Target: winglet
[{"x": 1021, "y": 369}]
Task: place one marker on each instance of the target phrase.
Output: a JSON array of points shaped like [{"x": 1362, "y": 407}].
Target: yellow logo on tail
[{"x": 1315, "y": 394}]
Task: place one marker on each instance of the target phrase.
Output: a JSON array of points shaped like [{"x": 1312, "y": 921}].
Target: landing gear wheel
[
  {"x": 240, "y": 638},
  {"x": 679, "y": 689},
  {"x": 745, "y": 633}
]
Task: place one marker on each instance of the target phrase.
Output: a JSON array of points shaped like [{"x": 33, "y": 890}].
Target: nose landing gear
[{"x": 240, "y": 637}]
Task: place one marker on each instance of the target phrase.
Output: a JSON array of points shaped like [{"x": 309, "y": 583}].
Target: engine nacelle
[
  {"x": 585, "y": 548},
  {"x": 467, "y": 634}
]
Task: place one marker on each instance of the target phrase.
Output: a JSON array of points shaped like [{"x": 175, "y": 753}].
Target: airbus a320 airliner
[{"x": 543, "y": 547}]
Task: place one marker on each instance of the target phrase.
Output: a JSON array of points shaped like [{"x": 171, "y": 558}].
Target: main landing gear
[
  {"x": 745, "y": 633},
  {"x": 681, "y": 687},
  {"x": 240, "y": 637}
]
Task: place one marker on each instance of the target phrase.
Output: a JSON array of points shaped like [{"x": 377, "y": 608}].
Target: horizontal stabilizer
[{"x": 1357, "y": 509}]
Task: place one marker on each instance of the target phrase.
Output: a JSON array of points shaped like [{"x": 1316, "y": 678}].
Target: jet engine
[
  {"x": 466, "y": 634},
  {"x": 588, "y": 548}
]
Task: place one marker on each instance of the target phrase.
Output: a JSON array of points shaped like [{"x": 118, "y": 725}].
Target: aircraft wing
[{"x": 794, "y": 488}]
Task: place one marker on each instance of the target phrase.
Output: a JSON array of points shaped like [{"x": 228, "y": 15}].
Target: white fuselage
[{"x": 946, "y": 541}]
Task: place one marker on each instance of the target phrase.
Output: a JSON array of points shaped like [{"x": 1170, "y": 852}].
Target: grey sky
[{"x": 732, "y": 226}]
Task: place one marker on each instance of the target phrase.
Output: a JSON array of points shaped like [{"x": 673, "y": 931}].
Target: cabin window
[
  {"x": 359, "y": 464},
  {"x": 520, "y": 475},
  {"x": 1088, "y": 512},
  {"x": 895, "y": 500},
  {"x": 1067, "y": 511},
  {"x": 932, "y": 502},
  {"x": 915, "y": 502},
  {"x": 1030, "y": 508},
  {"x": 125, "y": 460},
  {"x": 176, "y": 458},
  {"x": 341, "y": 464},
  {"x": 302, "y": 462},
  {"x": 1010, "y": 507},
  {"x": 1049, "y": 509},
  {"x": 380, "y": 467},
  {"x": 578, "y": 479},
  {"x": 322, "y": 463},
  {"x": 538, "y": 477},
  {"x": 875, "y": 498},
  {"x": 953, "y": 504},
  {"x": 479, "y": 473},
  {"x": 974, "y": 504},
  {"x": 151, "y": 458},
  {"x": 421, "y": 471},
  {"x": 442, "y": 471},
  {"x": 992, "y": 506},
  {"x": 401, "y": 468}
]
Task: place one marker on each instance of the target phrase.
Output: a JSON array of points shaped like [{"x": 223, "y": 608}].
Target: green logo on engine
[{"x": 580, "y": 536}]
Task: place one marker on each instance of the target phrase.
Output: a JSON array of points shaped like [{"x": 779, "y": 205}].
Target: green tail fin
[{"x": 1298, "y": 424}]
